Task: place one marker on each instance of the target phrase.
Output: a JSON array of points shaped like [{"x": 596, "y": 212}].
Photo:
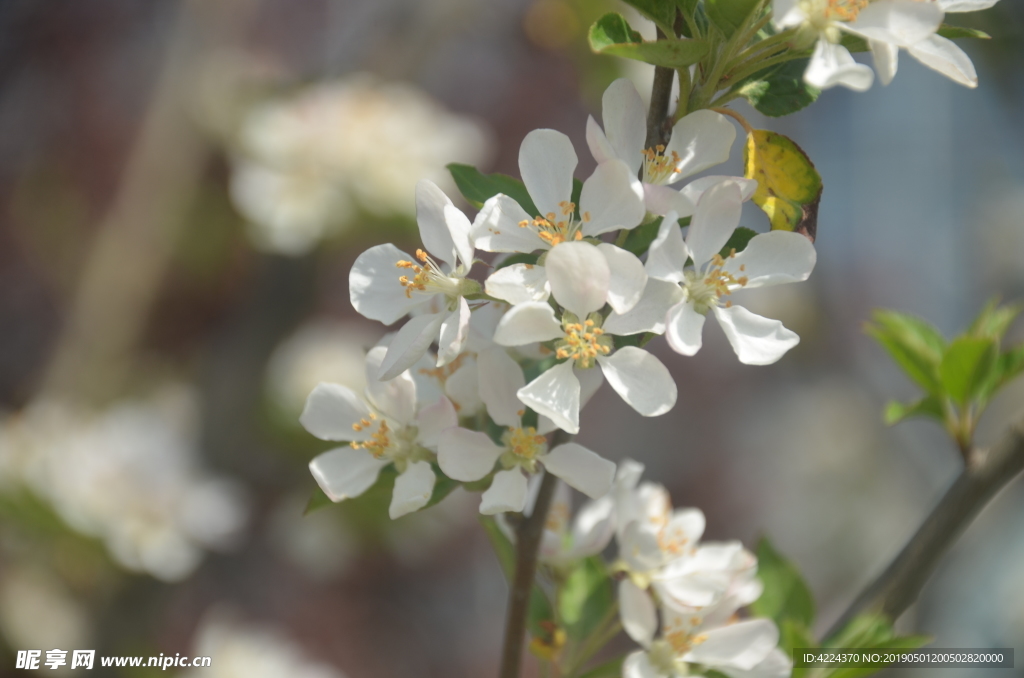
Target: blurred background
[{"x": 183, "y": 189}]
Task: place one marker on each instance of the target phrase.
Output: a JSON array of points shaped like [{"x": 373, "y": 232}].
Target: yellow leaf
[{"x": 788, "y": 186}]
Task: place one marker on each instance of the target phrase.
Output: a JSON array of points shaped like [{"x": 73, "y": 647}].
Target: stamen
[
  {"x": 658, "y": 167},
  {"x": 582, "y": 343},
  {"x": 844, "y": 10},
  {"x": 379, "y": 441},
  {"x": 525, "y": 443}
]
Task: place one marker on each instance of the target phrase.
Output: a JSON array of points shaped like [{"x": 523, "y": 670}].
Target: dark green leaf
[
  {"x": 953, "y": 32},
  {"x": 738, "y": 241},
  {"x": 611, "y": 34},
  {"x": 729, "y": 15},
  {"x": 317, "y": 501},
  {"x": 503, "y": 548},
  {"x": 929, "y": 406},
  {"x": 443, "y": 486},
  {"x": 518, "y": 258},
  {"x": 786, "y": 594},
  {"x": 540, "y": 614},
  {"x": 577, "y": 190},
  {"x": 864, "y": 630},
  {"x": 640, "y": 238},
  {"x": 914, "y": 344},
  {"x": 794, "y": 634},
  {"x": 899, "y": 643},
  {"x": 782, "y": 90},
  {"x": 854, "y": 43},
  {"x": 994, "y": 320},
  {"x": 966, "y": 366},
  {"x": 476, "y": 188},
  {"x": 586, "y": 598},
  {"x": 661, "y": 12},
  {"x": 609, "y": 669},
  {"x": 1010, "y": 364}
]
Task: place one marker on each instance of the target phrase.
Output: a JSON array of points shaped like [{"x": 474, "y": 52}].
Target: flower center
[
  {"x": 385, "y": 442},
  {"x": 554, "y": 229},
  {"x": 658, "y": 167},
  {"x": 583, "y": 342},
  {"x": 428, "y": 277},
  {"x": 706, "y": 288},
  {"x": 380, "y": 440},
  {"x": 682, "y": 641},
  {"x": 844, "y": 10},
  {"x": 821, "y": 13},
  {"x": 525, "y": 443}
]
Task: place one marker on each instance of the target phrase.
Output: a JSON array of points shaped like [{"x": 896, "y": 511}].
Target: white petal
[
  {"x": 590, "y": 381},
  {"x": 598, "y": 142},
  {"x": 519, "y": 283},
  {"x": 527, "y": 323},
  {"x": 579, "y": 277},
  {"x": 756, "y": 340},
  {"x": 463, "y": 387},
  {"x": 556, "y": 395},
  {"x": 637, "y": 611},
  {"x": 430, "y": 216},
  {"x": 638, "y": 665},
  {"x": 667, "y": 254},
  {"x": 410, "y": 343},
  {"x": 343, "y": 473},
  {"x": 506, "y": 493},
  {"x": 685, "y": 527},
  {"x": 460, "y": 229},
  {"x": 942, "y": 55},
  {"x": 702, "y": 139},
  {"x": 612, "y": 198},
  {"x": 640, "y": 378},
  {"x": 593, "y": 527},
  {"x": 776, "y": 665},
  {"x": 454, "y": 332},
  {"x": 694, "y": 189},
  {"x": 665, "y": 199},
  {"x": 373, "y": 285},
  {"x": 886, "y": 56},
  {"x": 625, "y": 122},
  {"x": 649, "y": 313},
  {"x": 466, "y": 455},
  {"x": 787, "y": 13},
  {"x": 500, "y": 378},
  {"x": 638, "y": 546},
  {"x": 833, "y": 65},
  {"x": 743, "y": 644},
  {"x": 433, "y": 420},
  {"x": 900, "y": 22},
  {"x": 482, "y": 324},
  {"x": 331, "y": 410},
  {"x": 496, "y": 228},
  {"x": 397, "y": 397},
  {"x": 952, "y": 6},
  {"x": 627, "y": 280},
  {"x": 412, "y": 489},
  {"x": 582, "y": 469},
  {"x": 774, "y": 258},
  {"x": 546, "y": 163},
  {"x": 717, "y": 216}
]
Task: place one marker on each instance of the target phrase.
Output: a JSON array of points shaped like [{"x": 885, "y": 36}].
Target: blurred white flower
[
  {"x": 130, "y": 477},
  {"x": 307, "y": 162},
  {"x": 567, "y": 539},
  {"x": 36, "y": 612}
]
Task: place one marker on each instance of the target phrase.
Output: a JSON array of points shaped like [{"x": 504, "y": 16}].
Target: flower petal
[
  {"x": 412, "y": 489},
  {"x": 665, "y": 199},
  {"x": 430, "y": 217},
  {"x": 331, "y": 410},
  {"x": 638, "y": 665},
  {"x": 900, "y": 22},
  {"x": 579, "y": 277},
  {"x": 433, "y": 420},
  {"x": 547, "y": 161},
  {"x": 667, "y": 254},
  {"x": 625, "y": 122},
  {"x": 519, "y": 283},
  {"x": 506, "y": 493},
  {"x": 556, "y": 395},
  {"x": 943, "y": 55},
  {"x": 717, "y": 216},
  {"x": 590, "y": 381},
  {"x": 373, "y": 285},
  {"x": 466, "y": 455},
  {"x": 953, "y": 6},
  {"x": 702, "y": 139},
  {"x": 454, "y": 332},
  {"x": 410, "y": 343},
  {"x": 649, "y": 313},
  {"x": 612, "y": 198},
  {"x": 460, "y": 229},
  {"x": 344, "y": 472},
  {"x": 787, "y": 13},
  {"x": 598, "y": 142},
  {"x": 637, "y": 612},
  {"x": 756, "y": 340},
  {"x": 580, "y": 468},
  {"x": 593, "y": 528},
  {"x": 774, "y": 258},
  {"x": 776, "y": 665},
  {"x": 496, "y": 227},
  {"x": 527, "y": 323},
  {"x": 640, "y": 378},
  {"x": 397, "y": 397},
  {"x": 694, "y": 189},
  {"x": 833, "y": 65},
  {"x": 628, "y": 277},
  {"x": 742, "y": 645},
  {"x": 886, "y": 56},
  {"x": 500, "y": 378},
  {"x": 463, "y": 387}
]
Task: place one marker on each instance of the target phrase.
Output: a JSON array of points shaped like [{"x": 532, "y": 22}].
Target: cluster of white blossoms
[
  {"x": 886, "y": 26},
  {"x": 306, "y": 164},
  {"x": 128, "y": 476}
]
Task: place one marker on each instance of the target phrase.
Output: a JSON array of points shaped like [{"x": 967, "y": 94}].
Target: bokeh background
[{"x": 183, "y": 189}]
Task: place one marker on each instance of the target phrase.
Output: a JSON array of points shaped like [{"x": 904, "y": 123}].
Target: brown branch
[
  {"x": 986, "y": 473},
  {"x": 661, "y": 97}
]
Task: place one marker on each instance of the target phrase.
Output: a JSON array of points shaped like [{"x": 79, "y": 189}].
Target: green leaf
[
  {"x": 864, "y": 630},
  {"x": 502, "y": 546},
  {"x": 611, "y": 34},
  {"x": 898, "y": 643},
  {"x": 794, "y": 634},
  {"x": 966, "y": 366},
  {"x": 953, "y": 32},
  {"x": 317, "y": 501},
  {"x": 443, "y": 486},
  {"x": 994, "y": 320},
  {"x": 916, "y": 346},
  {"x": 640, "y": 238},
  {"x": 586, "y": 599},
  {"x": 609, "y": 669},
  {"x": 518, "y": 258},
  {"x": 476, "y": 188},
  {"x": 1010, "y": 364},
  {"x": 661, "y": 12},
  {"x": 929, "y": 406},
  {"x": 854, "y": 43},
  {"x": 738, "y": 241},
  {"x": 781, "y": 90},
  {"x": 788, "y": 186},
  {"x": 729, "y": 15},
  {"x": 786, "y": 594},
  {"x": 540, "y": 616}
]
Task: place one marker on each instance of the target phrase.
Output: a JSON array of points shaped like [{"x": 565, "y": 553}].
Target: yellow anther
[
  {"x": 379, "y": 441},
  {"x": 525, "y": 443},
  {"x": 844, "y": 10}
]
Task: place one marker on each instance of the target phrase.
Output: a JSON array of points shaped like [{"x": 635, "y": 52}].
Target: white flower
[
  {"x": 385, "y": 284},
  {"x": 384, "y": 426},
  {"x": 567, "y": 539},
  {"x": 769, "y": 259},
  {"x": 469, "y": 456},
  {"x": 582, "y": 282},
  {"x": 699, "y": 140},
  {"x": 887, "y": 25}
]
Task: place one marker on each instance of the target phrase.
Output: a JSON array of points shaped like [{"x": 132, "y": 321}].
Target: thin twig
[
  {"x": 986, "y": 473},
  {"x": 661, "y": 97}
]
